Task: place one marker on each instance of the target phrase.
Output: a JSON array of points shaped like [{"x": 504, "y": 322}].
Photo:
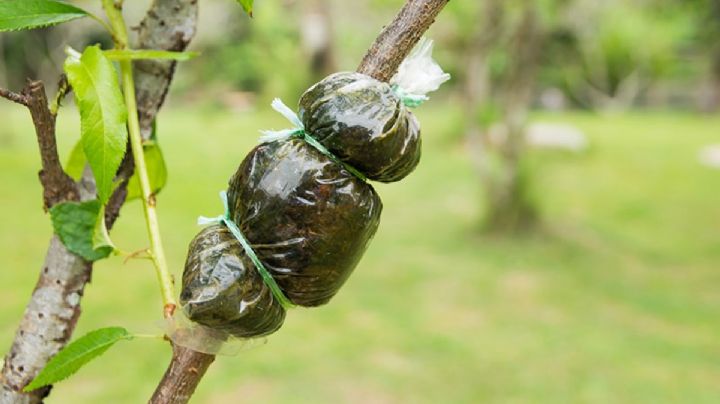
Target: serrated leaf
[
  {"x": 78, "y": 353},
  {"x": 139, "y": 54},
  {"x": 156, "y": 169},
  {"x": 28, "y": 14},
  {"x": 75, "y": 224},
  {"x": 76, "y": 162},
  {"x": 103, "y": 115},
  {"x": 247, "y": 5}
]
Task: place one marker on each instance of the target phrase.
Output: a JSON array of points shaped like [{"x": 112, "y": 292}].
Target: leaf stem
[
  {"x": 148, "y": 199},
  {"x": 151, "y": 336},
  {"x": 113, "y": 10},
  {"x": 157, "y": 252},
  {"x": 104, "y": 24}
]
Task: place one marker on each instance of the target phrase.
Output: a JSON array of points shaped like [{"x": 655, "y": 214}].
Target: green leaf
[
  {"x": 247, "y": 5},
  {"x": 103, "y": 115},
  {"x": 156, "y": 169},
  {"x": 138, "y": 54},
  {"x": 75, "y": 224},
  {"x": 27, "y": 14},
  {"x": 76, "y": 162},
  {"x": 77, "y": 354},
  {"x": 101, "y": 236}
]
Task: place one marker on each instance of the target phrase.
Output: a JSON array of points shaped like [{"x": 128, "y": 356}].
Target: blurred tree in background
[
  {"x": 707, "y": 13},
  {"x": 317, "y": 37},
  {"x": 619, "y": 49},
  {"x": 601, "y": 55},
  {"x": 263, "y": 56},
  {"x": 505, "y": 56}
]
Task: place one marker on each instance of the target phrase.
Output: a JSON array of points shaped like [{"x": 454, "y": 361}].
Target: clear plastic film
[{"x": 188, "y": 334}]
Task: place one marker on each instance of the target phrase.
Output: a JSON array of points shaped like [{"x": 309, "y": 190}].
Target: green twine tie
[
  {"x": 299, "y": 132},
  {"x": 235, "y": 230}
]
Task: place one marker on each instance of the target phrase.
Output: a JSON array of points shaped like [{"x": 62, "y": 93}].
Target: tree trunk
[
  {"x": 713, "y": 102},
  {"x": 509, "y": 205},
  {"x": 317, "y": 38}
]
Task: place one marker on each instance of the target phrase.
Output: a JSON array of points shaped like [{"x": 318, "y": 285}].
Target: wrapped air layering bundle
[{"x": 299, "y": 210}]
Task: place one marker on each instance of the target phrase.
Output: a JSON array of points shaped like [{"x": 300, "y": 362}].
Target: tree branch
[
  {"x": 397, "y": 39},
  {"x": 57, "y": 185},
  {"x": 14, "y": 97},
  {"x": 187, "y": 367},
  {"x": 54, "y": 308}
]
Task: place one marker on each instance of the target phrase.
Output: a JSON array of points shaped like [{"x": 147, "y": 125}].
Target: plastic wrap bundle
[
  {"x": 299, "y": 211},
  {"x": 223, "y": 290},
  {"x": 364, "y": 123}
]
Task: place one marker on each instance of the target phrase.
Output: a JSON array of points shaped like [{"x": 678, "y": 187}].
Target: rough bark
[
  {"x": 187, "y": 367},
  {"x": 57, "y": 185},
  {"x": 169, "y": 25},
  {"x": 14, "y": 97},
  {"x": 48, "y": 322},
  {"x": 397, "y": 39},
  {"x": 53, "y": 310}
]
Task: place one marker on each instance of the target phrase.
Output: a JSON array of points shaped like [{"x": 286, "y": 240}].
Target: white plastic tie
[
  {"x": 418, "y": 75},
  {"x": 273, "y": 135}
]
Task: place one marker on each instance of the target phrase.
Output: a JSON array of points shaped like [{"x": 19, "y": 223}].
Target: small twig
[
  {"x": 57, "y": 185},
  {"x": 14, "y": 97},
  {"x": 139, "y": 254}
]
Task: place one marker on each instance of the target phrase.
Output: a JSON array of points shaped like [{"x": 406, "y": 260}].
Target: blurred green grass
[{"x": 614, "y": 299}]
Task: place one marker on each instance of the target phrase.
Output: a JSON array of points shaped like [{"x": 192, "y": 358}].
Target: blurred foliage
[
  {"x": 595, "y": 52},
  {"x": 262, "y": 55},
  {"x": 617, "y": 48}
]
